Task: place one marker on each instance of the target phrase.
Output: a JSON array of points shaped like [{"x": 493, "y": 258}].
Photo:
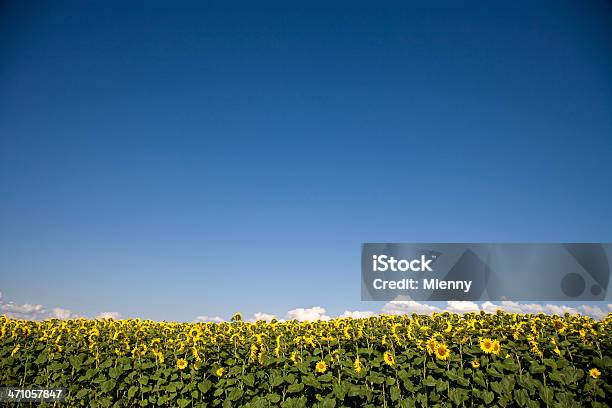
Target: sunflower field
[{"x": 443, "y": 360}]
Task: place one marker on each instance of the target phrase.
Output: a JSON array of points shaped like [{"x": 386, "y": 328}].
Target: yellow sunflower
[
  {"x": 475, "y": 364},
  {"x": 357, "y": 365},
  {"x": 320, "y": 367},
  {"x": 496, "y": 348},
  {"x": 220, "y": 371},
  {"x": 560, "y": 325},
  {"x": 253, "y": 353},
  {"x": 431, "y": 346},
  {"x": 442, "y": 352},
  {"x": 486, "y": 345},
  {"x": 159, "y": 356},
  {"x": 389, "y": 359},
  {"x": 181, "y": 363},
  {"x": 595, "y": 373}
]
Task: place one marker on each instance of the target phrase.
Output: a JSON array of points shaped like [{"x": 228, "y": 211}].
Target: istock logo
[{"x": 382, "y": 263}]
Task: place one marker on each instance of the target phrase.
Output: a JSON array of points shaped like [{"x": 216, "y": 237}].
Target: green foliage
[{"x": 444, "y": 360}]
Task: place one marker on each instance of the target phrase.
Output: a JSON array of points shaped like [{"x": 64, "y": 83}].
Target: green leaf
[
  {"x": 42, "y": 358},
  {"x": 457, "y": 396},
  {"x": 310, "y": 381},
  {"x": 75, "y": 361},
  {"x": 182, "y": 402},
  {"x": 376, "y": 378},
  {"x": 273, "y": 398},
  {"x": 275, "y": 379},
  {"x": 339, "y": 390},
  {"x": 235, "y": 394},
  {"x": 430, "y": 381},
  {"x": 82, "y": 393},
  {"x": 115, "y": 372},
  {"x": 295, "y": 387},
  {"x": 249, "y": 379},
  {"x": 404, "y": 376},
  {"x": 565, "y": 400},
  {"x": 488, "y": 397},
  {"x": 395, "y": 393},
  {"x": 547, "y": 395},
  {"x": 442, "y": 386},
  {"x": 521, "y": 397},
  {"x": 327, "y": 377},
  {"x": 108, "y": 386},
  {"x": 536, "y": 368},
  {"x": 479, "y": 379},
  {"x": 327, "y": 403},
  {"x": 204, "y": 386},
  {"x": 356, "y": 390}
]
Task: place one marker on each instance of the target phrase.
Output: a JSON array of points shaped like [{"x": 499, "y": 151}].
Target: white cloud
[
  {"x": 204, "y": 319},
  {"x": 398, "y": 307},
  {"x": 311, "y": 314},
  {"x": 59, "y": 313},
  {"x": 516, "y": 307},
  {"x": 357, "y": 314},
  {"x": 402, "y": 305},
  {"x": 559, "y": 309},
  {"x": 408, "y": 307},
  {"x": 490, "y": 307},
  {"x": 26, "y": 311},
  {"x": 109, "y": 315},
  {"x": 595, "y": 311},
  {"x": 534, "y": 308},
  {"x": 262, "y": 316},
  {"x": 462, "y": 307},
  {"x": 30, "y": 311},
  {"x": 25, "y": 308}
]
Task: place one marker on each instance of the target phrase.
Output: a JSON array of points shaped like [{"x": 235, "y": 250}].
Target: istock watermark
[{"x": 486, "y": 271}]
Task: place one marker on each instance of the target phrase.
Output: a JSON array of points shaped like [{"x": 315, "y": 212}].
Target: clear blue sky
[{"x": 168, "y": 160}]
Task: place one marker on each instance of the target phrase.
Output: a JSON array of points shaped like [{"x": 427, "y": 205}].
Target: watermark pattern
[{"x": 481, "y": 271}]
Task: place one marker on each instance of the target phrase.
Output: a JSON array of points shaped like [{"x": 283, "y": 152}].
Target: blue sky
[{"x": 172, "y": 161}]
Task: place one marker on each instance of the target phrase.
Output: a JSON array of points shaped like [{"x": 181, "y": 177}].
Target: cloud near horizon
[
  {"x": 109, "y": 315},
  {"x": 205, "y": 319},
  {"x": 411, "y": 306},
  {"x": 29, "y": 311}
]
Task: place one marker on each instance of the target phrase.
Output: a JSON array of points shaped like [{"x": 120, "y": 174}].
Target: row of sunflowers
[{"x": 441, "y": 360}]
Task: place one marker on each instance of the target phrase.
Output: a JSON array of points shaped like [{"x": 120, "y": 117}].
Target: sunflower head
[
  {"x": 219, "y": 372},
  {"x": 486, "y": 345},
  {"x": 181, "y": 363},
  {"x": 475, "y": 364},
  {"x": 389, "y": 359},
  {"x": 594, "y": 373},
  {"x": 560, "y": 325},
  {"x": 431, "y": 346},
  {"x": 496, "y": 347},
  {"x": 442, "y": 352},
  {"x": 320, "y": 367}
]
